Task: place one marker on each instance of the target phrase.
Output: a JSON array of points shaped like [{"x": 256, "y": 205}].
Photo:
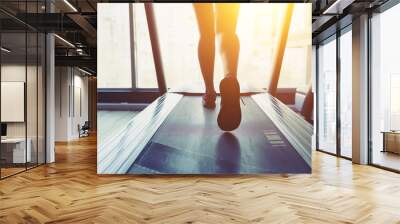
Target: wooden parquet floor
[{"x": 70, "y": 191}]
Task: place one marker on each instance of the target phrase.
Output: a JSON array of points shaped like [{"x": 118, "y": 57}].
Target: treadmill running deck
[{"x": 190, "y": 142}]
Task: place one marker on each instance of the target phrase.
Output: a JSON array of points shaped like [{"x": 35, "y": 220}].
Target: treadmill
[{"x": 175, "y": 134}]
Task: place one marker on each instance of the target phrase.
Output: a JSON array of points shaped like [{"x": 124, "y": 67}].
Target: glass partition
[
  {"x": 41, "y": 97},
  {"x": 23, "y": 91},
  {"x": 31, "y": 97},
  {"x": 14, "y": 153}
]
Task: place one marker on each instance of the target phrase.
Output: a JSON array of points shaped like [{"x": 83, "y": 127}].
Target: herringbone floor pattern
[{"x": 69, "y": 191}]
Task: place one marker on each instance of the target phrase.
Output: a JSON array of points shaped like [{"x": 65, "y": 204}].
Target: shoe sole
[{"x": 230, "y": 115}]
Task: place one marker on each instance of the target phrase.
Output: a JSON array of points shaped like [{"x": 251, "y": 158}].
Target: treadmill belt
[{"x": 190, "y": 142}]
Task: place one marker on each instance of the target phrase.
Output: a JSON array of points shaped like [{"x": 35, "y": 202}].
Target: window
[
  {"x": 178, "y": 39},
  {"x": 295, "y": 74},
  {"x": 346, "y": 94},
  {"x": 114, "y": 65},
  {"x": 385, "y": 87},
  {"x": 145, "y": 70},
  {"x": 327, "y": 96},
  {"x": 394, "y": 102}
]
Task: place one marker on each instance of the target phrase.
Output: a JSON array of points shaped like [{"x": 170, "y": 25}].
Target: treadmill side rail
[
  {"x": 298, "y": 131},
  {"x": 116, "y": 155}
]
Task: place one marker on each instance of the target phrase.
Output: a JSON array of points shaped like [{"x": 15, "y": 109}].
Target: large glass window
[
  {"x": 178, "y": 39},
  {"x": 126, "y": 56},
  {"x": 346, "y": 93},
  {"x": 327, "y": 96},
  {"x": 257, "y": 33},
  {"x": 294, "y": 74},
  {"x": 385, "y": 89},
  {"x": 145, "y": 70},
  {"x": 114, "y": 38}
]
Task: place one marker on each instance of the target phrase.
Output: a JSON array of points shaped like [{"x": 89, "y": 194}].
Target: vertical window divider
[
  {"x": 338, "y": 76},
  {"x": 316, "y": 122},
  {"x": 73, "y": 91},
  {"x": 132, "y": 45},
  {"x": 37, "y": 89},
  {"x": 26, "y": 86},
  {"x": 69, "y": 90},
  {"x": 369, "y": 79},
  {"x": 0, "y": 94},
  {"x": 45, "y": 86}
]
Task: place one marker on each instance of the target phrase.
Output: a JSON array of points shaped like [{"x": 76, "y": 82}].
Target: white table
[{"x": 19, "y": 154}]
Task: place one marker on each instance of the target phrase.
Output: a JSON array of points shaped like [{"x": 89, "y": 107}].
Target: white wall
[
  {"x": 33, "y": 126},
  {"x": 79, "y": 117},
  {"x": 12, "y": 73},
  {"x": 62, "y": 81},
  {"x": 70, "y": 83}
]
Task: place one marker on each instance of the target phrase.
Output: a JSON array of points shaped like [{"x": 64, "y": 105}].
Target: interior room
[{"x": 55, "y": 110}]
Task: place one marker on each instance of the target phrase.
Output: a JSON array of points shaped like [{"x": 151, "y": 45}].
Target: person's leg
[
  {"x": 206, "y": 48},
  {"x": 229, "y": 116},
  {"x": 229, "y": 46}
]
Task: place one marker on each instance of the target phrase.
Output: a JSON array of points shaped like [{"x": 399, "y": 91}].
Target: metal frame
[
  {"x": 144, "y": 95},
  {"x": 338, "y": 75},
  {"x": 316, "y": 122},
  {"x": 132, "y": 45},
  {"x": 369, "y": 125},
  {"x": 341, "y": 31},
  {"x": 155, "y": 46}
]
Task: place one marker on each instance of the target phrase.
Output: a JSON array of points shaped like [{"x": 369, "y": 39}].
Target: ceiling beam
[
  {"x": 82, "y": 61},
  {"x": 84, "y": 24},
  {"x": 337, "y": 7}
]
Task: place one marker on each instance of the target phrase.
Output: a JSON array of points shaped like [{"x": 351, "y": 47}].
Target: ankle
[
  {"x": 231, "y": 76},
  {"x": 211, "y": 92}
]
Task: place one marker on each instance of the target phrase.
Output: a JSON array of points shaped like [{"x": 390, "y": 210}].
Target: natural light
[{"x": 178, "y": 35}]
